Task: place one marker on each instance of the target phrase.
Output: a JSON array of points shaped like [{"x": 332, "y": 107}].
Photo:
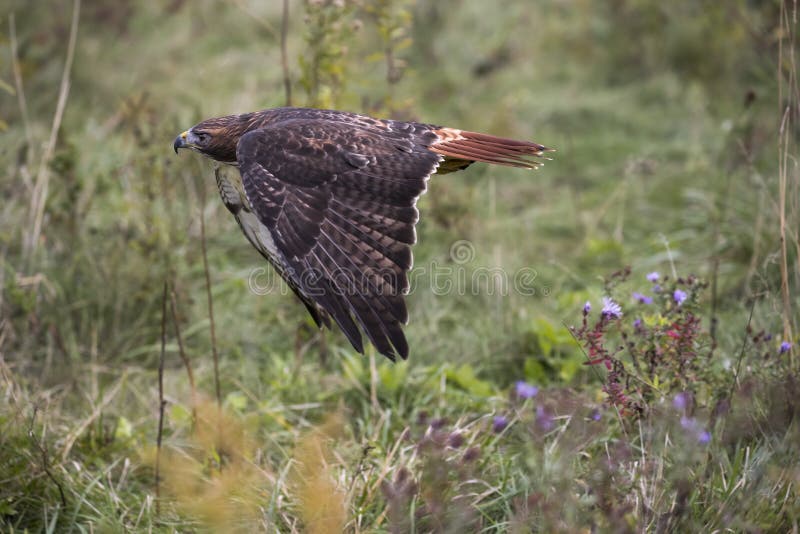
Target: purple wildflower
[
  {"x": 691, "y": 425},
  {"x": 455, "y": 440},
  {"x": 587, "y": 307},
  {"x": 637, "y": 324},
  {"x": 642, "y": 299},
  {"x": 499, "y": 423},
  {"x": 688, "y": 423},
  {"x": 544, "y": 419},
  {"x": 596, "y": 415},
  {"x": 611, "y": 310},
  {"x": 680, "y": 401},
  {"x": 653, "y": 277},
  {"x": 525, "y": 390},
  {"x": 656, "y": 288},
  {"x": 438, "y": 423},
  {"x": 679, "y": 296},
  {"x": 472, "y": 454},
  {"x": 785, "y": 346}
]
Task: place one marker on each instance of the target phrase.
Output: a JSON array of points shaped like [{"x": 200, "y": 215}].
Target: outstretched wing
[
  {"x": 338, "y": 199},
  {"x": 234, "y": 198}
]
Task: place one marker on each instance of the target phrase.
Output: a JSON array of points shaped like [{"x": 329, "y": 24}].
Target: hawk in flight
[{"x": 329, "y": 199}]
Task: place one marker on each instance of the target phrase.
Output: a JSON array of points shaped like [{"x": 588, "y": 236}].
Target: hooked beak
[{"x": 180, "y": 141}]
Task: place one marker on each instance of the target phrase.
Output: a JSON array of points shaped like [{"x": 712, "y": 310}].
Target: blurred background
[{"x": 666, "y": 119}]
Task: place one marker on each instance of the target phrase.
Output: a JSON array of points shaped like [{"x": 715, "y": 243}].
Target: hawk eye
[{"x": 202, "y": 137}]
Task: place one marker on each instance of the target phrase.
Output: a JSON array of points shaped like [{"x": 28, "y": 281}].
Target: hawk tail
[{"x": 472, "y": 146}]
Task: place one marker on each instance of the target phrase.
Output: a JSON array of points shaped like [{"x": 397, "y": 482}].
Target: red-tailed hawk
[{"x": 329, "y": 199}]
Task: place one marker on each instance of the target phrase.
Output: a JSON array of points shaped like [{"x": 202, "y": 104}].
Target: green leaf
[
  {"x": 236, "y": 400},
  {"x": 7, "y": 507},
  {"x": 465, "y": 378},
  {"x": 534, "y": 370},
  {"x": 550, "y": 336},
  {"x": 180, "y": 415},
  {"x": 393, "y": 376},
  {"x": 124, "y": 429},
  {"x": 353, "y": 368},
  {"x": 569, "y": 368}
]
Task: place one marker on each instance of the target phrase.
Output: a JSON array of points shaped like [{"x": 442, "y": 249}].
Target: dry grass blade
[
  {"x": 18, "y": 85},
  {"x": 182, "y": 352},
  {"x": 209, "y": 298},
  {"x": 161, "y": 402},
  {"x": 96, "y": 413},
  {"x": 39, "y": 196}
]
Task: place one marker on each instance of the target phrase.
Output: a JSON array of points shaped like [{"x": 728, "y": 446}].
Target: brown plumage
[{"x": 329, "y": 198}]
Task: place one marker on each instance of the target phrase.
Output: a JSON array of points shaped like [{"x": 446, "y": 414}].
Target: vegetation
[{"x": 669, "y": 403}]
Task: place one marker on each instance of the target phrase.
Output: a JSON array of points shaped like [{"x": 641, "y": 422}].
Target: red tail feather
[{"x": 473, "y": 146}]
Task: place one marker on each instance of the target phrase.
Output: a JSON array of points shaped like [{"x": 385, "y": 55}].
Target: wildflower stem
[
  {"x": 42, "y": 448},
  {"x": 597, "y": 373},
  {"x": 634, "y": 358},
  {"x": 741, "y": 352},
  {"x": 669, "y": 255},
  {"x": 787, "y": 156}
]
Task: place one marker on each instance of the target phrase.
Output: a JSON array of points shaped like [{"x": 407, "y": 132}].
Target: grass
[{"x": 667, "y": 161}]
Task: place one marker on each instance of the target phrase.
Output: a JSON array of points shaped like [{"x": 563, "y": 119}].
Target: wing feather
[
  {"x": 359, "y": 275},
  {"x": 368, "y": 305},
  {"x": 339, "y": 199},
  {"x": 383, "y": 244}
]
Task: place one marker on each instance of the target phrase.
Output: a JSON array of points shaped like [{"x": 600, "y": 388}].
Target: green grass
[{"x": 662, "y": 163}]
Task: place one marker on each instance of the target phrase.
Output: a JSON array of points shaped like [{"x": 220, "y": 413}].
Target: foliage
[
  {"x": 666, "y": 122},
  {"x": 329, "y": 24}
]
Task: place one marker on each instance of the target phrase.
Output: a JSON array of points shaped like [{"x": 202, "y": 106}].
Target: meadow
[{"x": 606, "y": 344}]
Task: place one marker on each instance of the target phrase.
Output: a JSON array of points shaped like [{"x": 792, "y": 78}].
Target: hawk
[{"x": 329, "y": 199}]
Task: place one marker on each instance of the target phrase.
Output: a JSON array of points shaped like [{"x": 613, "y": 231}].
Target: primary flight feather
[{"x": 329, "y": 199}]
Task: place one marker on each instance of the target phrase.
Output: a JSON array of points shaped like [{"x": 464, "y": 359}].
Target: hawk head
[{"x": 215, "y": 138}]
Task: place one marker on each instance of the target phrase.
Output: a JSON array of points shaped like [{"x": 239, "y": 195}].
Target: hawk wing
[
  {"x": 258, "y": 235},
  {"x": 338, "y": 199}
]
